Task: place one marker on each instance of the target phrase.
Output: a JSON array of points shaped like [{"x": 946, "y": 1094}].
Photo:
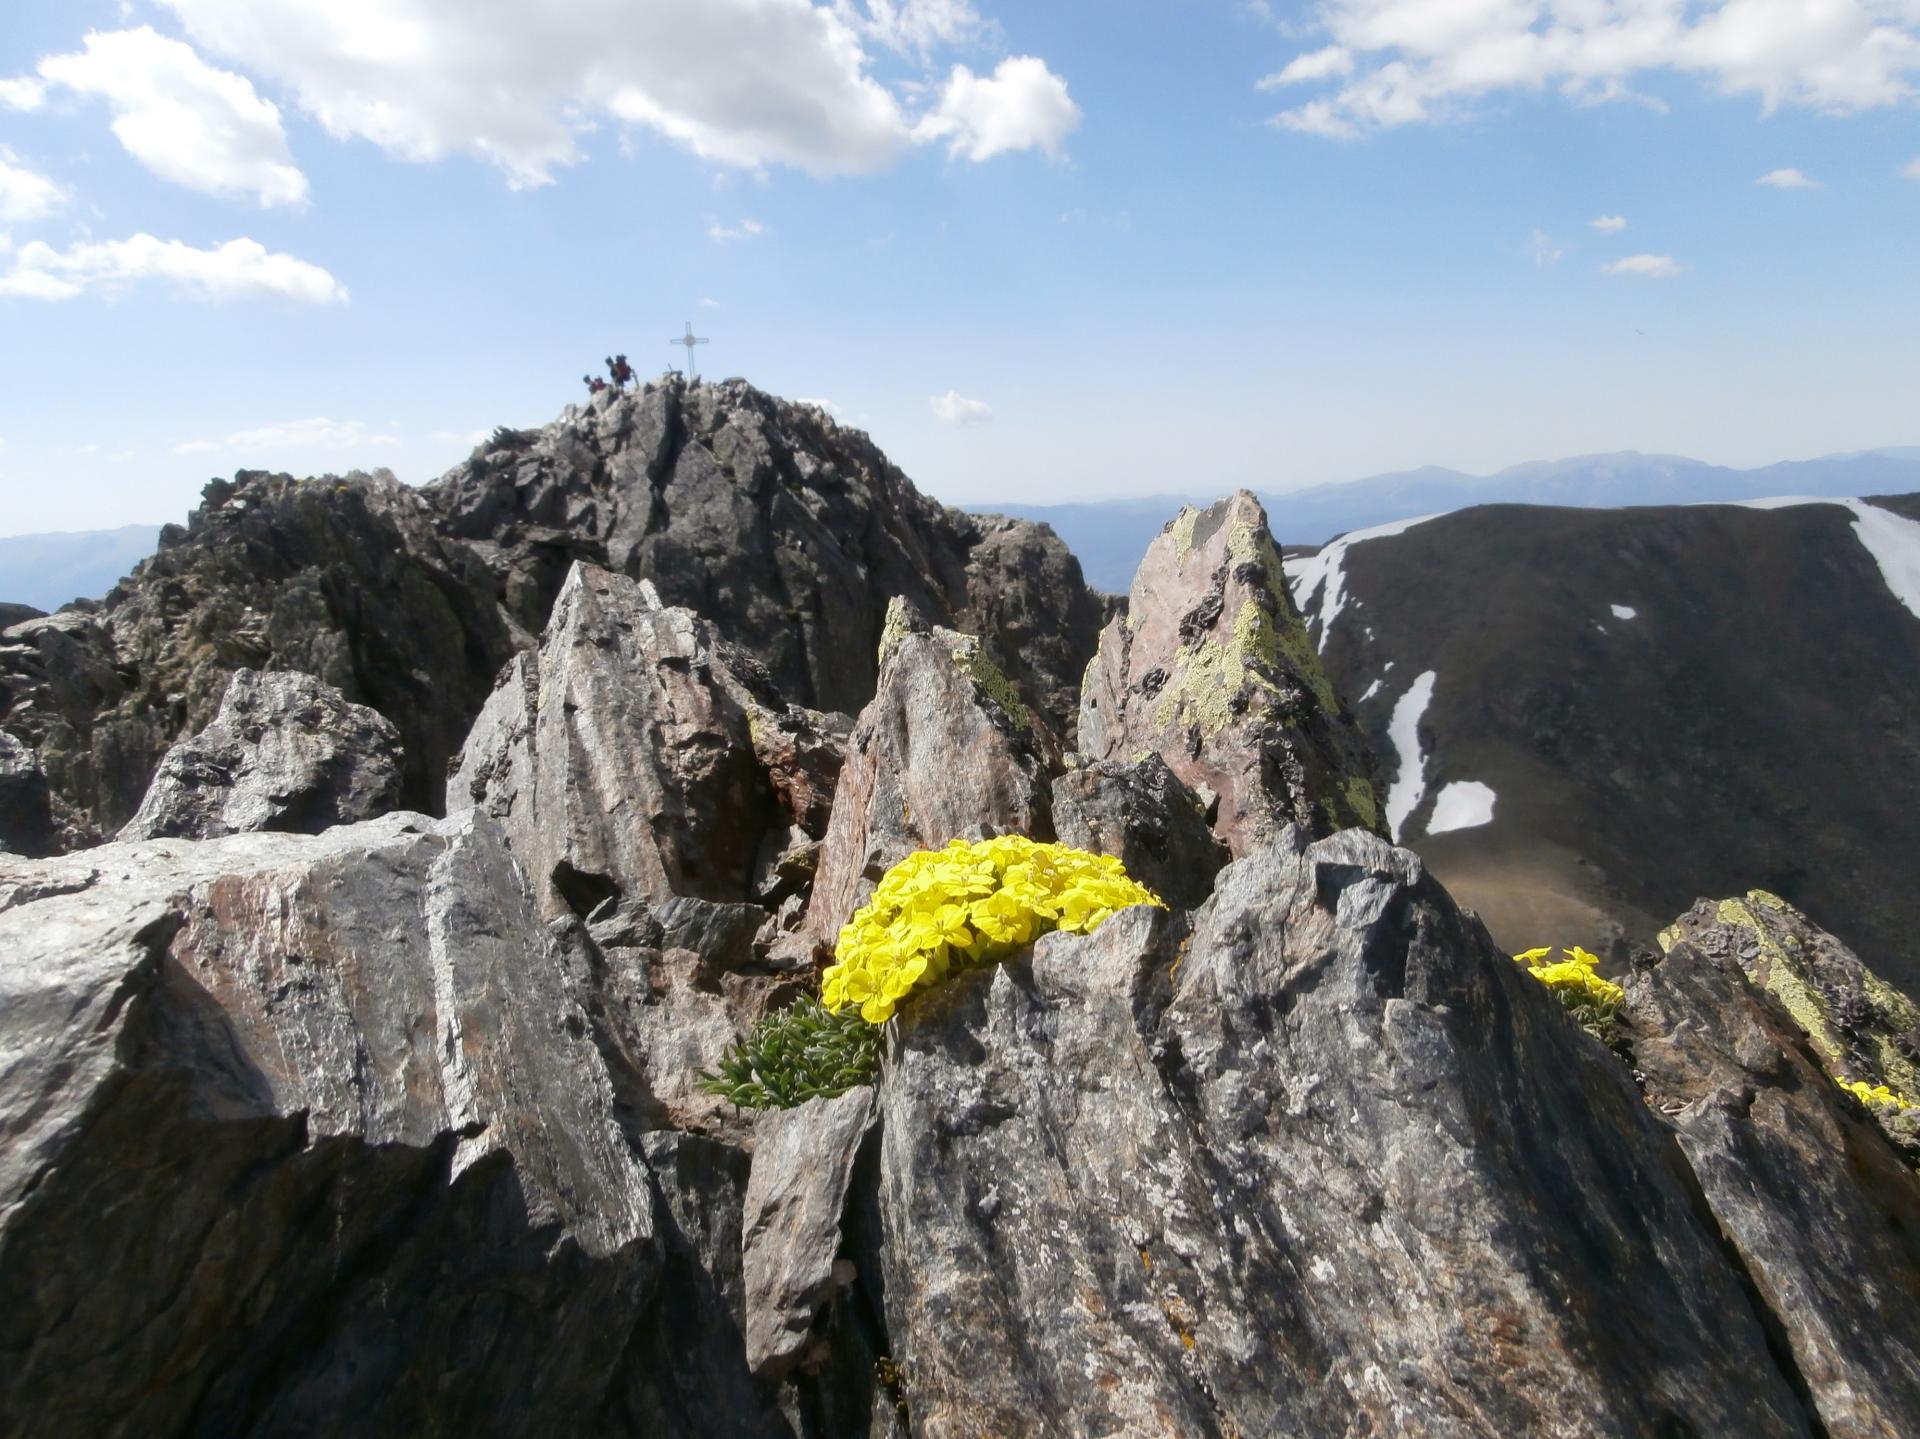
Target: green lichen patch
[
  {"x": 1361, "y": 800},
  {"x": 896, "y": 627},
  {"x": 970, "y": 656},
  {"x": 1183, "y": 524}
]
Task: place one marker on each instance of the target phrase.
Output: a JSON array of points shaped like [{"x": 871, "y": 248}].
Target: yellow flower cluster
[
  {"x": 1876, "y": 1094},
  {"x": 1573, "y": 978},
  {"x": 968, "y": 904}
]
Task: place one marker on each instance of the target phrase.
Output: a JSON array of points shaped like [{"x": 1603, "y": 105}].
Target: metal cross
[{"x": 689, "y": 340}]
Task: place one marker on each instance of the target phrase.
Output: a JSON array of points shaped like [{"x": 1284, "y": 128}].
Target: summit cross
[{"x": 689, "y": 340}]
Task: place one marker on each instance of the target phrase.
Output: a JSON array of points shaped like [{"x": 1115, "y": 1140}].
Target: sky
[{"x": 1071, "y": 251}]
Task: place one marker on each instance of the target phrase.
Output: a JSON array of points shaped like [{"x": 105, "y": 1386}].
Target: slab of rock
[
  {"x": 1336, "y": 1167},
  {"x": 285, "y": 751},
  {"x": 1147, "y": 819},
  {"x": 946, "y": 750},
  {"x": 26, "y": 814},
  {"x": 1212, "y": 670},
  {"x": 802, "y": 751},
  {"x": 619, "y": 757},
  {"x": 803, "y": 1160},
  {"x": 1861, "y": 1027},
  {"x": 1821, "y": 1207}
]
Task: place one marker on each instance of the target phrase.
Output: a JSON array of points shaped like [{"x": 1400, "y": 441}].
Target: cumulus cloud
[
  {"x": 1912, "y": 169},
  {"x": 746, "y": 230},
  {"x": 1022, "y": 106},
  {"x": 1403, "y": 62},
  {"x": 1646, "y": 267},
  {"x": 25, "y": 195},
  {"x": 954, "y": 408},
  {"x": 1788, "y": 180},
  {"x": 826, "y": 407},
  {"x": 318, "y": 433},
  {"x": 238, "y": 270},
  {"x": 742, "y": 83},
  {"x": 189, "y": 123},
  {"x": 1609, "y": 224},
  {"x": 1543, "y": 250}
]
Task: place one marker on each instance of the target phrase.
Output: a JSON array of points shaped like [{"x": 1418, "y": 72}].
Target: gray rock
[
  {"x": 946, "y": 750},
  {"x": 788, "y": 532},
  {"x": 1212, "y": 670},
  {"x": 26, "y": 814},
  {"x": 284, "y": 752},
  {"x": 1820, "y": 1206},
  {"x": 1336, "y": 1167},
  {"x": 618, "y": 758},
  {"x": 1147, "y": 819},
  {"x": 803, "y": 1161}
]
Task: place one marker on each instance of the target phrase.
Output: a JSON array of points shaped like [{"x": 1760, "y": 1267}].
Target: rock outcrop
[
  {"x": 619, "y": 757},
  {"x": 1147, "y": 819},
  {"x": 1341, "y": 1169},
  {"x": 1212, "y": 670},
  {"x": 1822, "y": 1209},
  {"x": 786, "y": 531},
  {"x": 348, "y": 580},
  {"x": 947, "y": 749},
  {"x": 26, "y": 810},
  {"x": 284, "y": 752}
]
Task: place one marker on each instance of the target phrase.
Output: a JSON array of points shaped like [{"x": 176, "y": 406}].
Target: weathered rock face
[
  {"x": 300, "y": 1127},
  {"x": 946, "y": 750},
  {"x": 803, "y": 1161},
  {"x": 284, "y": 752},
  {"x": 1144, "y": 816},
  {"x": 1860, "y": 1027},
  {"x": 618, "y": 757},
  {"x": 1212, "y": 670},
  {"x": 1823, "y": 1210},
  {"x": 26, "y": 815},
  {"x": 786, "y": 531},
  {"x": 346, "y": 580},
  {"x": 1344, "y": 1171}
]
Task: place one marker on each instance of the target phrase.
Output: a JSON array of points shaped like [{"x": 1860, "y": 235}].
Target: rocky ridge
[{"x": 399, "y": 1119}]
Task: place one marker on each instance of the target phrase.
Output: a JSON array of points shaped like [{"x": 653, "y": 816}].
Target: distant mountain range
[
  {"x": 46, "y": 571},
  {"x": 1110, "y": 536}
]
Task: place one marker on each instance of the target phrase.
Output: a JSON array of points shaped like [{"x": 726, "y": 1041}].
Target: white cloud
[
  {"x": 186, "y": 121},
  {"x": 746, "y": 230},
  {"x": 1427, "y": 61},
  {"x": 1912, "y": 169},
  {"x": 1325, "y": 64},
  {"x": 318, "y": 433},
  {"x": 826, "y": 407},
  {"x": 1022, "y": 106},
  {"x": 469, "y": 438},
  {"x": 1543, "y": 250},
  {"x": 1609, "y": 224},
  {"x": 26, "y": 196},
  {"x": 917, "y": 26},
  {"x": 238, "y": 270},
  {"x": 1789, "y": 180},
  {"x": 1648, "y": 267},
  {"x": 707, "y": 302},
  {"x": 24, "y": 92},
  {"x": 954, "y": 408},
  {"x": 742, "y": 83}
]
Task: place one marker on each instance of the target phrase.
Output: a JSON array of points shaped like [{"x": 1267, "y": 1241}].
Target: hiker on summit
[
  {"x": 594, "y": 384},
  {"x": 621, "y": 371}
]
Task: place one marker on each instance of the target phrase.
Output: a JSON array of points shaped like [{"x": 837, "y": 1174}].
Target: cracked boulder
[
  {"x": 619, "y": 756},
  {"x": 285, "y": 751},
  {"x": 1823, "y": 1210},
  {"x": 1330, "y": 1166},
  {"x": 1212, "y": 670},
  {"x": 1147, "y": 819}
]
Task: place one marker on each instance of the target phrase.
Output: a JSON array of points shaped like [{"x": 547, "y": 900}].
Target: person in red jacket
[{"x": 594, "y": 384}]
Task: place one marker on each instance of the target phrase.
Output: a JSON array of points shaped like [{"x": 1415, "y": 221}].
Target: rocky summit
[{"x": 355, "y": 1084}]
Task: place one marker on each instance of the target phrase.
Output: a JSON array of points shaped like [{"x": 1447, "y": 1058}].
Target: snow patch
[
  {"x": 1372, "y": 690},
  {"x": 1624, "y": 612},
  {"x": 1403, "y": 733},
  {"x": 1463, "y": 804},
  {"x": 1893, "y": 540},
  {"x": 1323, "y": 572}
]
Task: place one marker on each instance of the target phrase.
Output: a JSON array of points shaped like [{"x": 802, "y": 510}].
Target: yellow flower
[{"x": 972, "y": 902}]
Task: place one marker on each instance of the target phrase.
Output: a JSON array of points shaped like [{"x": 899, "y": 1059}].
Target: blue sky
[{"x": 1041, "y": 252}]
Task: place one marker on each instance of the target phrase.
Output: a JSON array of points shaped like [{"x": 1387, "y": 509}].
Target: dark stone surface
[{"x": 1144, "y": 816}]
